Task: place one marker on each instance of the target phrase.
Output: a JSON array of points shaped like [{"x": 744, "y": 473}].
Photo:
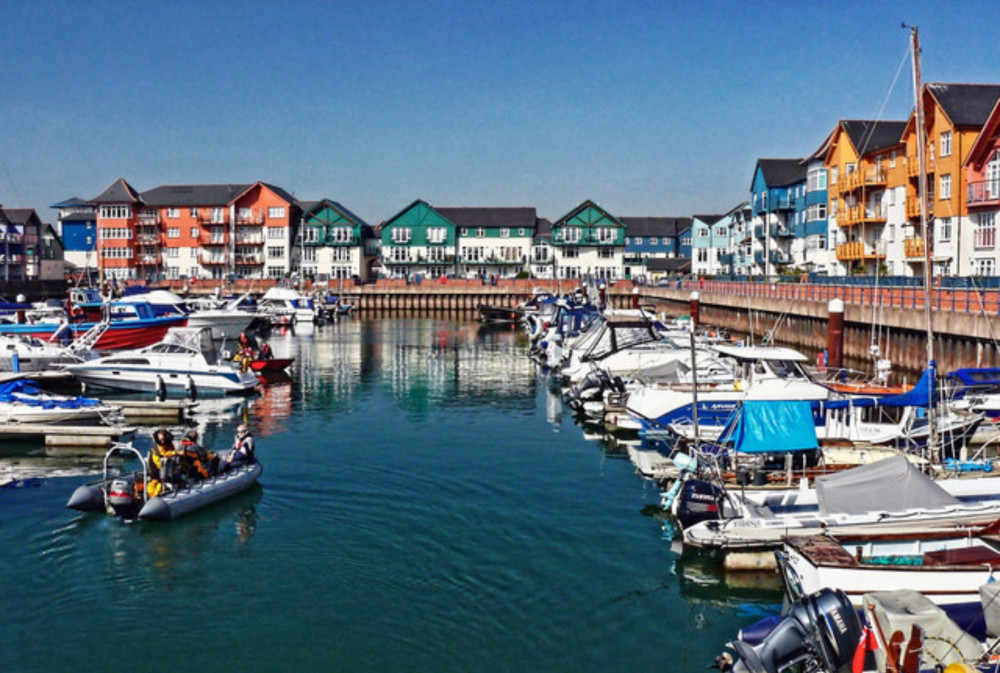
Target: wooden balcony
[
  {"x": 858, "y": 251},
  {"x": 861, "y": 215},
  {"x": 913, "y": 167},
  {"x": 913, "y": 249},
  {"x": 870, "y": 177}
]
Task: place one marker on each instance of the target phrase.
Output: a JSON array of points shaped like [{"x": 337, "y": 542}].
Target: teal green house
[
  {"x": 589, "y": 242},
  {"x": 334, "y": 243}
]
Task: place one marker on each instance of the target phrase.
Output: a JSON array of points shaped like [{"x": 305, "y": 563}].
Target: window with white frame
[
  {"x": 275, "y": 232},
  {"x": 437, "y": 254},
  {"x": 465, "y": 231},
  {"x": 946, "y": 144},
  {"x": 945, "y": 191},
  {"x": 173, "y": 232},
  {"x": 473, "y": 253},
  {"x": 172, "y": 253},
  {"x": 343, "y": 254},
  {"x": 274, "y": 251},
  {"x": 540, "y": 253},
  {"x": 400, "y": 235},
  {"x": 115, "y": 212},
  {"x": 702, "y": 232},
  {"x": 116, "y": 253},
  {"x": 194, "y": 232},
  {"x": 986, "y": 231},
  {"x": 605, "y": 253},
  {"x": 480, "y": 233},
  {"x": 437, "y": 235},
  {"x": 275, "y": 272},
  {"x": 986, "y": 267},
  {"x": 218, "y": 215},
  {"x": 571, "y": 252},
  {"x": 571, "y": 234},
  {"x": 892, "y": 159},
  {"x": 653, "y": 240},
  {"x": 637, "y": 240},
  {"x": 245, "y": 214},
  {"x": 833, "y": 175},
  {"x": 944, "y": 229},
  {"x": 173, "y": 213},
  {"x": 309, "y": 254},
  {"x": 520, "y": 232},
  {"x": 310, "y": 234},
  {"x": 504, "y": 232},
  {"x": 275, "y": 212},
  {"x": 993, "y": 176},
  {"x": 816, "y": 211},
  {"x": 115, "y": 232},
  {"x": 606, "y": 234},
  {"x": 342, "y": 234}
]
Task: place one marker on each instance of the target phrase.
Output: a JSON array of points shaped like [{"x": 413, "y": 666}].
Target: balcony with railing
[
  {"x": 983, "y": 193},
  {"x": 869, "y": 177},
  {"x": 147, "y": 239},
  {"x": 913, "y": 166},
  {"x": 853, "y": 215},
  {"x": 913, "y": 207},
  {"x": 216, "y": 236},
  {"x": 781, "y": 231},
  {"x": 857, "y": 251},
  {"x": 251, "y": 220},
  {"x": 913, "y": 249},
  {"x": 213, "y": 219},
  {"x": 148, "y": 219},
  {"x": 249, "y": 240},
  {"x": 212, "y": 260},
  {"x": 150, "y": 259},
  {"x": 492, "y": 260},
  {"x": 249, "y": 259}
]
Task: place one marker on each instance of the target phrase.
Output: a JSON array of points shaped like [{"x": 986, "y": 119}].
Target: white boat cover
[
  {"x": 889, "y": 485},
  {"x": 989, "y": 596},
  {"x": 944, "y": 641}
]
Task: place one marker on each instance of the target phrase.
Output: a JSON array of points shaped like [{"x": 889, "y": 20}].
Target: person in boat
[
  {"x": 265, "y": 351},
  {"x": 197, "y": 462},
  {"x": 243, "y": 449},
  {"x": 161, "y": 456}
]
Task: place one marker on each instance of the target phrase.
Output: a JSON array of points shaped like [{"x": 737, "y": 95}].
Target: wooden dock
[{"x": 69, "y": 439}]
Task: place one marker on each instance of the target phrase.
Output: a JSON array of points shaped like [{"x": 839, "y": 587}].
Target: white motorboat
[
  {"x": 22, "y": 353},
  {"x": 23, "y": 402},
  {"x": 286, "y": 305},
  {"x": 186, "y": 361},
  {"x": 848, "y": 505},
  {"x": 225, "y": 320},
  {"x": 946, "y": 567}
]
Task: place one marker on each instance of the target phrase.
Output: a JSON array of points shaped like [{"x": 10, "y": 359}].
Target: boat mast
[{"x": 924, "y": 226}]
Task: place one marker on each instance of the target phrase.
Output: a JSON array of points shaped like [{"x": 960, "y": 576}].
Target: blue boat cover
[
  {"x": 923, "y": 394},
  {"x": 766, "y": 426},
  {"x": 27, "y": 391}
]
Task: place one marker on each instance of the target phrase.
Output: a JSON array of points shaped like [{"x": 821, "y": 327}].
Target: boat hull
[
  {"x": 218, "y": 380},
  {"x": 119, "y": 335}
]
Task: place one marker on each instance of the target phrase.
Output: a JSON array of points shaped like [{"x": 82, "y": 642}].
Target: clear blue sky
[{"x": 649, "y": 108}]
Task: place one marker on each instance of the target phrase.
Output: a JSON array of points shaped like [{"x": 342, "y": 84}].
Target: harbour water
[{"x": 426, "y": 505}]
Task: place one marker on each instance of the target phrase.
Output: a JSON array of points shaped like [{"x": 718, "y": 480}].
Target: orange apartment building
[
  {"x": 195, "y": 231},
  {"x": 864, "y": 160},
  {"x": 954, "y": 115}
]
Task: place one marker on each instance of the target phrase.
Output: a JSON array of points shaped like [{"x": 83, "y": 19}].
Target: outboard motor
[
  {"x": 122, "y": 500},
  {"x": 699, "y": 500},
  {"x": 821, "y": 632},
  {"x": 589, "y": 389}
]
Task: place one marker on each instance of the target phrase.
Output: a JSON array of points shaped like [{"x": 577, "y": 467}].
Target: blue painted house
[
  {"x": 777, "y": 194},
  {"x": 656, "y": 238},
  {"x": 78, "y": 231}
]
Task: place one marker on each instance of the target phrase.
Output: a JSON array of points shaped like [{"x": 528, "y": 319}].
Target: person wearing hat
[
  {"x": 159, "y": 456},
  {"x": 196, "y": 460},
  {"x": 243, "y": 449}
]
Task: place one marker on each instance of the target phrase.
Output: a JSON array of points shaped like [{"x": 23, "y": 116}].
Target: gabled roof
[
  {"x": 965, "y": 104},
  {"x": 21, "y": 215},
  {"x": 491, "y": 218},
  {"x": 280, "y": 192},
  {"x": 119, "y": 192},
  {"x": 193, "y": 195},
  {"x": 869, "y": 136},
  {"x": 782, "y": 172},
  {"x": 708, "y": 219},
  {"x": 588, "y": 205},
  {"x": 543, "y": 228},
  {"x": 982, "y": 147},
  {"x": 309, "y": 206},
  {"x": 656, "y": 226}
]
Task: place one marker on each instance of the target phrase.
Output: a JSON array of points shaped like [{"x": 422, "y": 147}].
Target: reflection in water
[{"x": 272, "y": 408}]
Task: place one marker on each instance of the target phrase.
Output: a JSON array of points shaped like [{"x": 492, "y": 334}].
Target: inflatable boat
[{"x": 124, "y": 493}]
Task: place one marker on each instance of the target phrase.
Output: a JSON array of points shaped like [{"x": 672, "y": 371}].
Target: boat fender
[
  {"x": 161, "y": 389},
  {"x": 192, "y": 389}
]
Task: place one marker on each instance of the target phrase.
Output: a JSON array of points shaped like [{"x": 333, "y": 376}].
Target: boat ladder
[{"x": 89, "y": 339}]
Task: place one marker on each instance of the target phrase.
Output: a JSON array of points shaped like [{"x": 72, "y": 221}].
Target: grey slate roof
[
  {"x": 491, "y": 218},
  {"x": 70, "y": 202},
  {"x": 119, "y": 192},
  {"x": 782, "y": 172},
  {"x": 871, "y": 136},
  {"x": 656, "y": 226},
  {"x": 543, "y": 228},
  {"x": 965, "y": 104},
  {"x": 193, "y": 195},
  {"x": 669, "y": 264},
  {"x": 280, "y": 192},
  {"x": 708, "y": 219},
  {"x": 21, "y": 215}
]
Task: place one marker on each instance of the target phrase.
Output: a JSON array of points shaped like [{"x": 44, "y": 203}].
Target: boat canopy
[
  {"x": 198, "y": 339},
  {"x": 971, "y": 379},
  {"x": 889, "y": 485},
  {"x": 760, "y": 353},
  {"x": 767, "y": 426}
]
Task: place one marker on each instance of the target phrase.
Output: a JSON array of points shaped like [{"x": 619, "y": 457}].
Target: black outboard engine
[
  {"x": 122, "y": 500},
  {"x": 820, "y": 633},
  {"x": 699, "y": 500},
  {"x": 590, "y": 388}
]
